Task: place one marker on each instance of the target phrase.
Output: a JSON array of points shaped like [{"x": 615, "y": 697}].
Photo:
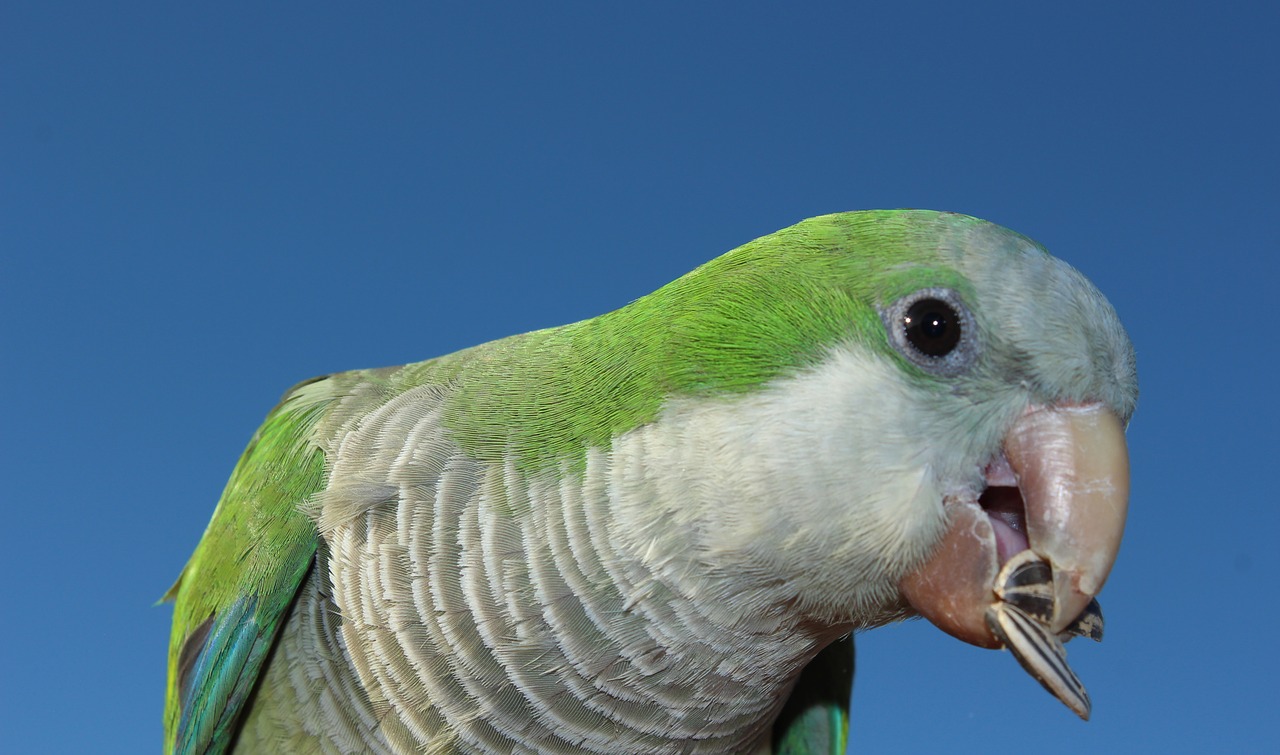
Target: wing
[
  {"x": 815, "y": 720},
  {"x": 234, "y": 594}
]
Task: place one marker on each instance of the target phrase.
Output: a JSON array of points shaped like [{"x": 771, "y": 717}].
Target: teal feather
[
  {"x": 224, "y": 661},
  {"x": 815, "y": 720},
  {"x": 234, "y": 595}
]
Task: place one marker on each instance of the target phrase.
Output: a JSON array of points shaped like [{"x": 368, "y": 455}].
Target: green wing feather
[
  {"x": 815, "y": 720},
  {"x": 234, "y": 594}
]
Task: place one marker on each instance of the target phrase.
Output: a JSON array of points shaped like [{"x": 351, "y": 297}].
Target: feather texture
[{"x": 627, "y": 534}]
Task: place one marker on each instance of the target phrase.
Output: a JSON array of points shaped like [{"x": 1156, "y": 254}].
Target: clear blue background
[{"x": 199, "y": 208}]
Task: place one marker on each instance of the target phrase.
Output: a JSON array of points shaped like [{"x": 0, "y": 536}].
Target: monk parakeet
[{"x": 654, "y": 531}]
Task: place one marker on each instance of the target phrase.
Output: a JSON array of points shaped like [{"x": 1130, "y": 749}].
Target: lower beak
[{"x": 1072, "y": 470}]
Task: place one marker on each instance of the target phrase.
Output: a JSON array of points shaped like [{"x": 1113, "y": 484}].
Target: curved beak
[{"x": 1071, "y": 467}]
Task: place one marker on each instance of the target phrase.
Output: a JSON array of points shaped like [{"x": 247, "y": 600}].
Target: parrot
[{"x": 659, "y": 529}]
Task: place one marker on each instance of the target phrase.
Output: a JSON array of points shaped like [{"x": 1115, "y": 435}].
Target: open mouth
[
  {"x": 1022, "y": 558},
  {"x": 1002, "y": 501}
]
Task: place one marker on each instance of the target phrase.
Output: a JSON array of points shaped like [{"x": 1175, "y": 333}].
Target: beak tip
[{"x": 1069, "y": 600}]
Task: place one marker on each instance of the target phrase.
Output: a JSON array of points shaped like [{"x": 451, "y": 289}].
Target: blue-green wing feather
[
  {"x": 226, "y": 664},
  {"x": 235, "y": 593},
  {"x": 815, "y": 720}
]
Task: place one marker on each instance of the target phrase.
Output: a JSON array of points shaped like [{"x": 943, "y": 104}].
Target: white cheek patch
[{"x": 825, "y": 479}]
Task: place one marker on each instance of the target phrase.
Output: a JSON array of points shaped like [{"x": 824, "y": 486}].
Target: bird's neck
[{"x": 484, "y": 607}]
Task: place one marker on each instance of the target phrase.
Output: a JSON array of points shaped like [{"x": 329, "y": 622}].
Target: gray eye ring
[{"x": 934, "y": 330}]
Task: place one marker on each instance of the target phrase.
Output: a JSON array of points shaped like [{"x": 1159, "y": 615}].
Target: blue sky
[{"x": 200, "y": 207}]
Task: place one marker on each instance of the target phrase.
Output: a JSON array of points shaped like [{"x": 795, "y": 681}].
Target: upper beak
[
  {"x": 1072, "y": 470},
  {"x": 1072, "y": 467}
]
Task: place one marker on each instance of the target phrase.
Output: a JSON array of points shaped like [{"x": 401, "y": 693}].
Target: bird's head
[{"x": 935, "y": 407}]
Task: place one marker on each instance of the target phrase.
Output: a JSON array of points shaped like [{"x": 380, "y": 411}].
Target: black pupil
[{"x": 933, "y": 327}]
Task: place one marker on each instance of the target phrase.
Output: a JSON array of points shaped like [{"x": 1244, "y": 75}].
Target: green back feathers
[
  {"x": 236, "y": 589},
  {"x": 771, "y": 306}
]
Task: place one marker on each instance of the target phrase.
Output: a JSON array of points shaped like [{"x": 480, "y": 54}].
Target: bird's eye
[
  {"x": 932, "y": 326},
  {"x": 934, "y": 330}
]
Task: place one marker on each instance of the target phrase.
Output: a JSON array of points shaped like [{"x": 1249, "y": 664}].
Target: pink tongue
[
  {"x": 1011, "y": 539},
  {"x": 1004, "y": 505}
]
